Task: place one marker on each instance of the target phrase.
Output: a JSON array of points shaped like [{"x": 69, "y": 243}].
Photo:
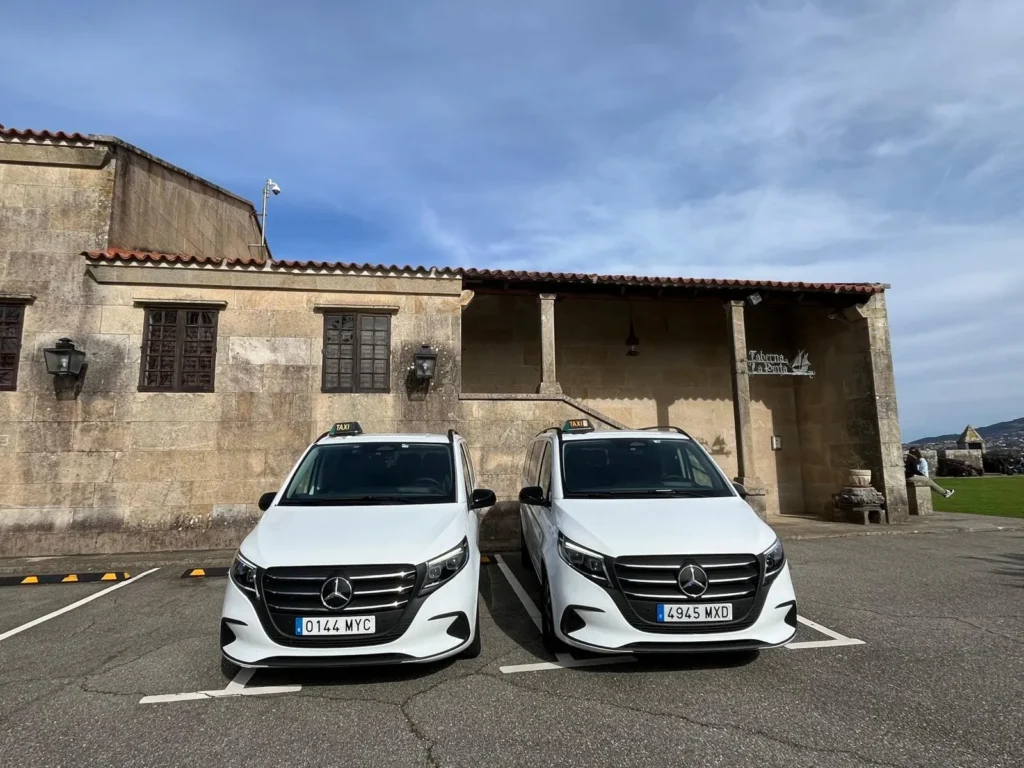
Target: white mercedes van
[
  {"x": 643, "y": 545},
  {"x": 368, "y": 554}
]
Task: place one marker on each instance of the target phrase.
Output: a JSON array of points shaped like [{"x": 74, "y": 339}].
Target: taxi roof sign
[
  {"x": 577, "y": 426},
  {"x": 345, "y": 428}
]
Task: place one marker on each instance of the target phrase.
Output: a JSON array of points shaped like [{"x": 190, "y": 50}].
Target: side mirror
[
  {"x": 740, "y": 490},
  {"x": 482, "y": 497},
  {"x": 533, "y": 494},
  {"x": 266, "y": 500}
]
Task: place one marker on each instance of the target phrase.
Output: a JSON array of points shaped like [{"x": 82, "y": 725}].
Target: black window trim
[
  {"x": 148, "y": 307},
  {"x": 358, "y": 315},
  {"x": 5, "y": 303}
]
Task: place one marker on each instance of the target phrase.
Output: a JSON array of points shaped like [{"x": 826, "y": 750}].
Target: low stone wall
[{"x": 966, "y": 455}]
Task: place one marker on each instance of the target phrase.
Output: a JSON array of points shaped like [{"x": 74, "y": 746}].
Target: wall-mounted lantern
[
  {"x": 64, "y": 359},
  {"x": 632, "y": 342},
  {"x": 424, "y": 363}
]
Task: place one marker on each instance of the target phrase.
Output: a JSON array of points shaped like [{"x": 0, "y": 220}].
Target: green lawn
[{"x": 1002, "y": 496}]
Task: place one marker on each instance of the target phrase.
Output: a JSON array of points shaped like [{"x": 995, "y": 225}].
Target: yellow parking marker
[
  {"x": 197, "y": 572},
  {"x": 71, "y": 577},
  {"x": 30, "y": 580},
  {"x": 484, "y": 559},
  {"x": 109, "y": 577}
]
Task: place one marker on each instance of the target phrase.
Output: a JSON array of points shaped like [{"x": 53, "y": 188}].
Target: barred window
[
  {"x": 179, "y": 350},
  {"x": 11, "y": 317},
  {"x": 357, "y": 353}
]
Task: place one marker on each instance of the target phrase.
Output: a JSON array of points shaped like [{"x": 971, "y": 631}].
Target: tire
[
  {"x": 552, "y": 643},
  {"x": 524, "y": 553},
  {"x": 472, "y": 650},
  {"x": 229, "y": 669}
]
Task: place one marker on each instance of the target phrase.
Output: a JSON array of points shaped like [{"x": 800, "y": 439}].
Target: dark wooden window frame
[
  {"x": 8, "y": 308},
  {"x": 179, "y": 349},
  {"x": 356, "y": 346}
]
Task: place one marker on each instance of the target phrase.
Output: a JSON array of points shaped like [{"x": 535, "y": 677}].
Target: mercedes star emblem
[
  {"x": 693, "y": 581},
  {"x": 336, "y": 593}
]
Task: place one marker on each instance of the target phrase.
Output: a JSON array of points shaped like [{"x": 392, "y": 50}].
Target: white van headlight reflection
[
  {"x": 774, "y": 559},
  {"x": 243, "y": 573},
  {"x": 443, "y": 567},
  {"x": 586, "y": 561}
]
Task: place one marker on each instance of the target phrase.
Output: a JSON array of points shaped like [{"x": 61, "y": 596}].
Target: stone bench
[{"x": 919, "y": 493}]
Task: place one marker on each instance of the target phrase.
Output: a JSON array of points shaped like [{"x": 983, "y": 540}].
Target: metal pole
[{"x": 263, "y": 221}]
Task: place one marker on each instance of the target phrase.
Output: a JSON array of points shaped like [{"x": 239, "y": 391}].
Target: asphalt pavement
[{"x": 914, "y": 658}]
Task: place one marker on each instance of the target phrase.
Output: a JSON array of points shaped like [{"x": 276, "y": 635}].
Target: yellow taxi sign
[
  {"x": 578, "y": 425},
  {"x": 346, "y": 428}
]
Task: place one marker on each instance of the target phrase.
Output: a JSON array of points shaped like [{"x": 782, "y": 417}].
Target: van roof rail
[{"x": 665, "y": 428}]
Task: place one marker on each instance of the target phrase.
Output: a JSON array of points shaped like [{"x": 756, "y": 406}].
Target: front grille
[
  {"x": 643, "y": 582},
  {"x": 388, "y": 592}
]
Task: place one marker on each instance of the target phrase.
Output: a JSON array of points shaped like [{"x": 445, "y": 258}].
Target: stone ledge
[{"x": 82, "y": 542}]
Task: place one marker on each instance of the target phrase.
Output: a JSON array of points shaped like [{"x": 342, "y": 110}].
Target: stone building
[{"x": 210, "y": 365}]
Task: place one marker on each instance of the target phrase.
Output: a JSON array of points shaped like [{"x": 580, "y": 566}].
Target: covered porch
[{"x": 644, "y": 353}]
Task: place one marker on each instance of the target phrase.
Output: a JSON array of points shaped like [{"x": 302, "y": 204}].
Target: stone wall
[
  {"x": 165, "y": 210},
  {"x": 114, "y": 468},
  {"x": 971, "y": 456},
  {"x": 847, "y": 413},
  {"x": 773, "y": 411},
  {"x": 501, "y": 345},
  {"x": 681, "y": 376}
]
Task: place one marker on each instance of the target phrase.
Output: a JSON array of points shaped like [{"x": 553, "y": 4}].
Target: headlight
[
  {"x": 774, "y": 559},
  {"x": 243, "y": 573},
  {"x": 443, "y": 567},
  {"x": 586, "y": 561}
]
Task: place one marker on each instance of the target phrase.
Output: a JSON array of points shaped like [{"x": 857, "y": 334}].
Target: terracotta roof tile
[
  {"x": 30, "y": 133},
  {"x": 119, "y": 255}
]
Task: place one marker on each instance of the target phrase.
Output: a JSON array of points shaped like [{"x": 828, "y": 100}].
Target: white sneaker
[{"x": 950, "y": 492}]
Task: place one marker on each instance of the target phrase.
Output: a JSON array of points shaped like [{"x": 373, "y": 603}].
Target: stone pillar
[
  {"x": 741, "y": 409},
  {"x": 888, "y": 472},
  {"x": 920, "y": 496},
  {"x": 548, "y": 379}
]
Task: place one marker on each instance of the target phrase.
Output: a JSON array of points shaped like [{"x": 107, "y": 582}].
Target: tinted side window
[
  {"x": 531, "y": 470},
  {"x": 467, "y": 472},
  {"x": 544, "y": 480}
]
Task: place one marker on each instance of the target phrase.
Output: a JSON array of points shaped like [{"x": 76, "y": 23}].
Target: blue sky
[{"x": 879, "y": 141}]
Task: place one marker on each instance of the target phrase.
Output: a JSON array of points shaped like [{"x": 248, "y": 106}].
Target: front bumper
[
  {"x": 246, "y": 643},
  {"x": 578, "y": 600}
]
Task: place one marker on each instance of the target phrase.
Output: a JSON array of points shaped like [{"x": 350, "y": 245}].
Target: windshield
[
  {"x": 374, "y": 473},
  {"x": 639, "y": 467}
]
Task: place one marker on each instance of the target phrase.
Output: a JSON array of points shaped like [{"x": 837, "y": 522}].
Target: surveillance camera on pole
[{"x": 269, "y": 187}]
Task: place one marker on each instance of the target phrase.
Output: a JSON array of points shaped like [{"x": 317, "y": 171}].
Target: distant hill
[{"x": 1005, "y": 433}]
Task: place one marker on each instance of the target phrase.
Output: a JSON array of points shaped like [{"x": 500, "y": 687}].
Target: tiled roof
[
  {"x": 30, "y": 134},
  {"x": 136, "y": 257},
  {"x": 666, "y": 282}
]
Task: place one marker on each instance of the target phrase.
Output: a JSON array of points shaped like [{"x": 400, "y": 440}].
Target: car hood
[
  {"x": 370, "y": 535},
  {"x": 618, "y": 527}
]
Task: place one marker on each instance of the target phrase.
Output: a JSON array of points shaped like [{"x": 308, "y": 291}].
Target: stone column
[
  {"x": 548, "y": 380},
  {"x": 741, "y": 409},
  {"x": 888, "y": 474}
]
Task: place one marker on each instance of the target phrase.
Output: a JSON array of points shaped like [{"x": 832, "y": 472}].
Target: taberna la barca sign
[{"x": 767, "y": 364}]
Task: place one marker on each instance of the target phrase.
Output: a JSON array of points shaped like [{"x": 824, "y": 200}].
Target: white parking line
[
  {"x": 564, "y": 660},
  {"x": 235, "y": 688},
  {"x": 66, "y": 608},
  {"x": 837, "y": 640},
  {"x": 524, "y": 598}
]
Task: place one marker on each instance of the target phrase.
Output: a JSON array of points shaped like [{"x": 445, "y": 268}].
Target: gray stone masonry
[{"x": 919, "y": 494}]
